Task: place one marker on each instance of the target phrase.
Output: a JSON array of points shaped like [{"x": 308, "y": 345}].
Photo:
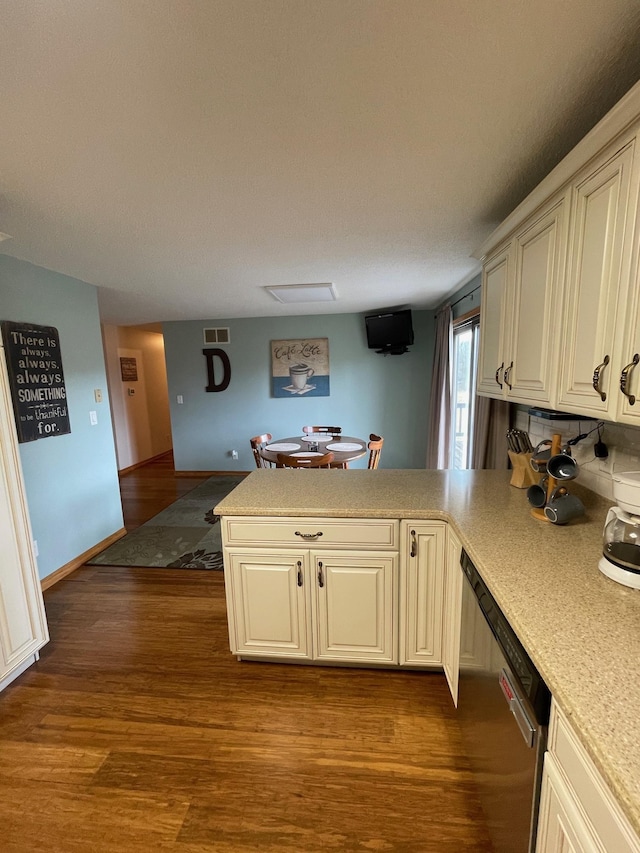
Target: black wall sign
[
  {"x": 209, "y": 354},
  {"x": 36, "y": 379}
]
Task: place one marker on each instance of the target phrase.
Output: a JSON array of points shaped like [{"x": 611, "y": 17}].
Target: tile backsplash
[{"x": 623, "y": 443}]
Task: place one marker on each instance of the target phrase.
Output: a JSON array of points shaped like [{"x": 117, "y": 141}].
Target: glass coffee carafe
[
  {"x": 621, "y": 539},
  {"x": 620, "y": 559}
]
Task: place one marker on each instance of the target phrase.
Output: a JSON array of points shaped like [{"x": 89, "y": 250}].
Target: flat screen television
[{"x": 390, "y": 333}]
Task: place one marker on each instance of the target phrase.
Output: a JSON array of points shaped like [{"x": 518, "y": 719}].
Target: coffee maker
[{"x": 620, "y": 559}]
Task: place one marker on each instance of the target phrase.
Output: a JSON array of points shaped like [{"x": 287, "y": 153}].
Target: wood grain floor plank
[{"x": 138, "y": 731}]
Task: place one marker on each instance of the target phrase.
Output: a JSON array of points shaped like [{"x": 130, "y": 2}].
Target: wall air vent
[{"x": 217, "y": 336}]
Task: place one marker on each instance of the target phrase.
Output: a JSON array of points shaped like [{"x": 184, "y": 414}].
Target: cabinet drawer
[
  {"x": 600, "y": 808},
  {"x": 315, "y": 532}
]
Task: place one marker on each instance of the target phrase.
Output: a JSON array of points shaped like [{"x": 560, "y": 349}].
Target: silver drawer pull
[{"x": 308, "y": 535}]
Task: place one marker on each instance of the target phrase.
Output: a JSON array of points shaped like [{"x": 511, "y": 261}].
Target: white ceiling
[{"x": 183, "y": 154}]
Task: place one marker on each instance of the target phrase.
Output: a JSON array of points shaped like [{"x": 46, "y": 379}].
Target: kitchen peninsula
[{"x": 581, "y": 629}]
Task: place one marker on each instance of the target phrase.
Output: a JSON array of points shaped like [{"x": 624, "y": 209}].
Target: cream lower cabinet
[
  {"x": 332, "y": 606},
  {"x": 319, "y": 603},
  {"x": 422, "y": 585},
  {"x": 363, "y": 591},
  {"x": 578, "y": 813},
  {"x": 23, "y": 627},
  {"x": 268, "y": 602},
  {"x": 452, "y": 613}
]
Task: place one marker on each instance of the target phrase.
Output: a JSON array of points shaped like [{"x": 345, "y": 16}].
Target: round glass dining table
[{"x": 345, "y": 448}]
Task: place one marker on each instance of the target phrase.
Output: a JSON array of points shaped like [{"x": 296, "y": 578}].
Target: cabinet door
[
  {"x": 269, "y": 603},
  {"x": 597, "y": 269},
  {"x": 452, "y": 613},
  {"x": 561, "y": 827},
  {"x": 355, "y": 603},
  {"x": 628, "y": 406},
  {"x": 23, "y": 628},
  {"x": 540, "y": 252},
  {"x": 494, "y": 329},
  {"x": 422, "y": 593}
]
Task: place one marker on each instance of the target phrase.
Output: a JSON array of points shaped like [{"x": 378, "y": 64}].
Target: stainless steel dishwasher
[{"x": 503, "y": 706}]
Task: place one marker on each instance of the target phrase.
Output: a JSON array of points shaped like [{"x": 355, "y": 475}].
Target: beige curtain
[
  {"x": 439, "y": 423},
  {"x": 490, "y": 425}
]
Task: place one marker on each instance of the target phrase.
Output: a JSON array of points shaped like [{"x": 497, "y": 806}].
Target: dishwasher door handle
[{"x": 527, "y": 730}]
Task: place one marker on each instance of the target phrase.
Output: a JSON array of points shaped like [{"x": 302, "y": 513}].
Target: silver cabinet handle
[
  {"x": 507, "y": 376},
  {"x": 596, "y": 379},
  {"x": 320, "y": 576},
  {"x": 624, "y": 379},
  {"x": 308, "y": 535},
  {"x": 299, "y": 573},
  {"x": 414, "y": 544},
  {"x": 497, "y": 372}
]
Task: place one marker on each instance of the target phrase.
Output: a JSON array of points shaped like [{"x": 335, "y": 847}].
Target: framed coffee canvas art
[{"x": 300, "y": 367}]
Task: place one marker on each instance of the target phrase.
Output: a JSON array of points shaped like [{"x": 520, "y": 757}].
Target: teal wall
[
  {"x": 71, "y": 480},
  {"x": 369, "y": 392}
]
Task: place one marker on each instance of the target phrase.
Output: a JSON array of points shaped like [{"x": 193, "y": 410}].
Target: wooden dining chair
[
  {"x": 257, "y": 442},
  {"x": 323, "y": 430},
  {"x": 375, "y": 448},
  {"x": 287, "y": 461}
]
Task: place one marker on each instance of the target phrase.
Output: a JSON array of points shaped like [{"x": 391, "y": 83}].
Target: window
[{"x": 463, "y": 393}]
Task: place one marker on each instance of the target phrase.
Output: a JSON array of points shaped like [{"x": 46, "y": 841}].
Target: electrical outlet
[
  {"x": 234, "y": 454},
  {"x": 98, "y": 395},
  {"x": 180, "y": 399},
  {"x": 93, "y": 418}
]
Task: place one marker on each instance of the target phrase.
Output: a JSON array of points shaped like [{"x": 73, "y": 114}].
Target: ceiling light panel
[{"x": 289, "y": 293}]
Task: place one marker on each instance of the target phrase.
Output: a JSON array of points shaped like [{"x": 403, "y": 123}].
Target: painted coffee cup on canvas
[
  {"x": 564, "y": 507},
  {"x": 299, "y": 374}
]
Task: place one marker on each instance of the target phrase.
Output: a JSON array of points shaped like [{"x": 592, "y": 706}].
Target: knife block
[{"x": 523, "y": 474}]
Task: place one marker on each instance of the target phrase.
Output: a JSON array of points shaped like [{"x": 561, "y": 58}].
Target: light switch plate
[{"x": 93, "y": 418}]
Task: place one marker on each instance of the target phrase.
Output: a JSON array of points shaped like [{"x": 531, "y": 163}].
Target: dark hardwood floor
[
  {"x": 148, "y": 490},
  {"x": 138, "y": 731}
]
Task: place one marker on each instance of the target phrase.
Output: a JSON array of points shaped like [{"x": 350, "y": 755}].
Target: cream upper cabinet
[
  {"x": 596, "y": 289},
  {"x": 23, "y": 627},
  {"x": 578, "y": 813},
  {"x": 628, "y": 408},
  {"x": 565, "y": 332},
  {"x": 539, "y": 258},
  {"x": 452, "y": 613},
  {"x": 520, "y": 304},
  {"x": 422, "y": 592},
  {"x": 495, "y": 333}
]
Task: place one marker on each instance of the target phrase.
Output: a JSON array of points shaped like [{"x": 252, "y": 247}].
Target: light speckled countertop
[{"x": 581, "y": 629}]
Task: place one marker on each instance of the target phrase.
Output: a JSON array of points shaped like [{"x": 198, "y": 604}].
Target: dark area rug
[{"x": 185, "y": 535}]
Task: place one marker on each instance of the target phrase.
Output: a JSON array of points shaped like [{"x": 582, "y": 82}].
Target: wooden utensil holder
[
  {"x": 523, "y": 474},
  {"x": 556, "y": 447}
]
